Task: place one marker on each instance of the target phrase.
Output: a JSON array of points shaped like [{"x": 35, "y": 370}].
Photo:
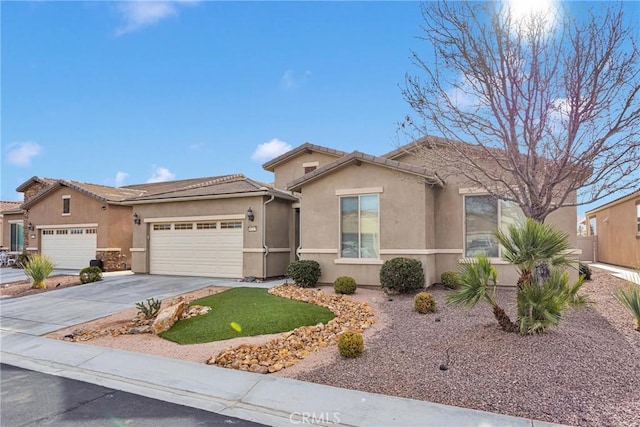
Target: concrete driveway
[{"x": 46, "y": 312}]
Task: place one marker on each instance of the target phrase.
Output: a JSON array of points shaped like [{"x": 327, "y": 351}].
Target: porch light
[
  {"x": 136, "y": 219},
  {"x": 30, "y": 226},
  {"x": 250, "y": 215}
]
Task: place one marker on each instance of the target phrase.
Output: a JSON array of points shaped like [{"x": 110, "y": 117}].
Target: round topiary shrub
[
  {"x": 350, "y": 344},
  {"x": 304, "y": 273},
  {"x": 450, "y": 279},
  {"x": 344, "y": 285},
  {"x": 424, "y": 303},
  {"x": 401, "y": 275},
  {"x": 90, "y": 274}
]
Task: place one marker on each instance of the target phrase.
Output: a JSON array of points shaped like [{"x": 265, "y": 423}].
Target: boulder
[{"x": 168, "y": 317}]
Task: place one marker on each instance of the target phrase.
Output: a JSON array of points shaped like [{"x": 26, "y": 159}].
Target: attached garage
[
  {"x": 71, "y": 248},
  {"x": 197, "y": 248}
]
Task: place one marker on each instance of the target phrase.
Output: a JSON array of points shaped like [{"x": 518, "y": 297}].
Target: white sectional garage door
[
  {"x": 70, "y": 247},
  {"x": 203, "y": 248}
]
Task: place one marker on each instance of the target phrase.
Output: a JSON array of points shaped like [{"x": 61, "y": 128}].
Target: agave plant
[
  {"x": 478, "y": 281},
  {"x": 535, "y": 248},
  {"x": 38, "y": 269},
  {"x": 630, "y": 297}
]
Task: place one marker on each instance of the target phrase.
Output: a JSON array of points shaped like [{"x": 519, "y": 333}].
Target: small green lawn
[{"x": 255, "y": 310}]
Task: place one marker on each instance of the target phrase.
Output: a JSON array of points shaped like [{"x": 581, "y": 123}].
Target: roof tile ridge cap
[{"x": 215, "y": 180}]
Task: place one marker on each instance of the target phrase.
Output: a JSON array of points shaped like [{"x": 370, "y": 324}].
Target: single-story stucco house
[
  {"x": 348, "y": 211},
  {"x": 616, "y": 227}
]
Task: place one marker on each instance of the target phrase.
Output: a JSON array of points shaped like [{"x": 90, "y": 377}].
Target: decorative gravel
[{"x": 585, "y": 372}]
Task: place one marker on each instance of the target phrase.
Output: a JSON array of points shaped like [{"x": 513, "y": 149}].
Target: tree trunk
[{"x": 503, "y": 320}]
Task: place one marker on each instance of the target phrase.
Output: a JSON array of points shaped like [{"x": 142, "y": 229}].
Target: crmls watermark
[{"x": 314, "y": 418}]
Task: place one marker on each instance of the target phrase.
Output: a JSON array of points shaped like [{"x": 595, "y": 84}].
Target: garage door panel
[
  {"x": 208, "y": 252},
  {"x": 67, "y": 249}
]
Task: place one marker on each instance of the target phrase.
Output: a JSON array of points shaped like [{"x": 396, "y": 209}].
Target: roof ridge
[{"x": 215, "y": 180}]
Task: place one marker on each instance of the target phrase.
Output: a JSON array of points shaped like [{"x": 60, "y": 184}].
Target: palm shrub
[
  {"x": 534, "y": 248},
  {"x": 38, "y": 269},
  {"x": 478, "y": 281},
  {"x": 630, "y": 299},
  {"x": 541, "y": 306}
]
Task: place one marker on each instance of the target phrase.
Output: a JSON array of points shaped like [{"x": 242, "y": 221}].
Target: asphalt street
[{"x": 29, "y": 398}]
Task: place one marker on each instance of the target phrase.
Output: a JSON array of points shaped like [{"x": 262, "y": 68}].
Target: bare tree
[{"x": 548, "y": 104}]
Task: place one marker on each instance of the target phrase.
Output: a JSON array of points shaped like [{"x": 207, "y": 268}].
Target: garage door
[
  {"x": 209, "y": 248},
  {"x": 70, "y": 247}
]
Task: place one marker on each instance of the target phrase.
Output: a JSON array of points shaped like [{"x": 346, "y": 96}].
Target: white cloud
[
  {"x": 120, "y": 177},
  {"x": 290, "y": 81},
  {"x": 269, "y": 150},
  {"x": 21, "y": 153},
  {"x": 161, "y": 174},
  {"x": 136, "y": 15}
]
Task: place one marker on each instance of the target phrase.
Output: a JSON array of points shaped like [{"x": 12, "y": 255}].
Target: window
[
  {"x": 183, "y": 226},
  {"x": 231, "y": 224},
  {"x": 206, "y": 226},
  {"x": 17, "y": 237},
  {"x": 158, "y": 227},
  {"x": 483, "y": 215},
  {"x": 359, "y": 226},
  {"x": 62, "y": 231},
  {"x": 638, "y": 218},
  {"x": 90, "y": 231},
  {"x": 593, "y": 231},
  {"x": 76, "y": 231},
  {"x": 310, "y": 166},
  {"x": 48, "y": 232},
  {"x": 66, "y": 205}
]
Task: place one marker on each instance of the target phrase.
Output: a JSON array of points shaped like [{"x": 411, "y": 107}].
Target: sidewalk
[
  {"x": 261, "y": 398},
  {"x": 620, "y": 272}
]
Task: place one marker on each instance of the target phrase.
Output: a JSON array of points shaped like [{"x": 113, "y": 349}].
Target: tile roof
[
  {"x": 358, "y": 156},
  {"x": 304, "y": 148},
  {"x": 410, "y": 147},
  {"x": 615, "y": 201},
  {"x": 10, "y": 207}
]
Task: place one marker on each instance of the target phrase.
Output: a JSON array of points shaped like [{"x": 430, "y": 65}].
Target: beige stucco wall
[
  {"x": 292, "y": 169},
  {"x": 403, "y": 202},
  {"x": 114, "y": 222},
  {"x": 616, "y": 230},
  {"x": 254, "y": 255}
]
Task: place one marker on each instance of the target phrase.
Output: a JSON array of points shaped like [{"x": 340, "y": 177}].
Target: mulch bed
[{"x": 23, "y": 287}]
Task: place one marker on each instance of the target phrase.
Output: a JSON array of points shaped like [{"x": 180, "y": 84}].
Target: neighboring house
[
  {"x": 227, "y": 226},
  {"x": 359, "y": 210},
  {"x": 616, "y": 226},
  {"x": 11, "y": 226},
  {"x": 74, "y": 222}
]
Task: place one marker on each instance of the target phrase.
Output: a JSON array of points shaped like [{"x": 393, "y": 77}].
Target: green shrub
[
  {"x": 344, "y": 285},
  {"x": 630, "y": 299},
  {"x": 585, "y": 271},
  {"x": 450, "y": 279},
  {"x": 401, "y": 275},
  {"x": 424, "y": 303},
  {"x": 350, "y": 344},
  {"x": 90, "y": 274},
  {"x": 304, "y": 273},
  {"x": 150, "y": 308},
  {"x": 38, "y": 269}
]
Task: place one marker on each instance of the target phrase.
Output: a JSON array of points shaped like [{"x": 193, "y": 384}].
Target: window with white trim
[
  {"x": 230, "y": 224},
  {"x": 66, "y": 205},
  {"x": 206, "y": 226},
  {"x": 48, "y": 232},
  {"x": 360, "y": 226},
  {"x": 183, "y": 226},
  {"x": 483, "y": 215},
  {"x": 91, "y": 231},
  {"x": 62, "y": 231},
  {"x": 159, "y": 227},
  {"x": 638, "y": 218},
  {"x": 17, "y": 237},
  {"x": 76, "y": 231}
]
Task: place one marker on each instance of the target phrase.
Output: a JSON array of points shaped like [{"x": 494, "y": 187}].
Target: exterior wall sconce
[
  {"x": 136, "y": 219},
  {"x": 250, "y": 215},
  {"x": 30, "y": 226}
]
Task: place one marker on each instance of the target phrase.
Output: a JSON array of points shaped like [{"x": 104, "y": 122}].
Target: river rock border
[{"x": 289, "y": 348}]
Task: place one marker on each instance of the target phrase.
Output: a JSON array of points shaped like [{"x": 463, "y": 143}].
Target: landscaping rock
[
  {"x": 168, "y": 317},
  {"x": 290, "y": 347}
]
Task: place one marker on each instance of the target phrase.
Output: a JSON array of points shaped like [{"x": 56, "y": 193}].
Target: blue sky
[{"x": 124, "y": 93}]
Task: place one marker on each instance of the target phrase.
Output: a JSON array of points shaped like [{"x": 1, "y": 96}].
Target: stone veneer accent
[{"x": 111, "y": 260}]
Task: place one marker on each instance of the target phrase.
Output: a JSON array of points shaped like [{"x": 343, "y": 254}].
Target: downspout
[{"x": 264, "y": 235}]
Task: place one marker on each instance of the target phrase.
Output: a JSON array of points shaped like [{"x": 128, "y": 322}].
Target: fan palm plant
[
  {"x": 478, "y": 281},
  {"x": 534, "y": 248}
]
